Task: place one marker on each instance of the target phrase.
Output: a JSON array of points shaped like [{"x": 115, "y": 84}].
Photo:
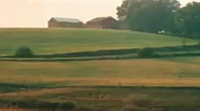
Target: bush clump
[
  {"x": 147, "y": 52},
  {"x": 24, "y": 52}
]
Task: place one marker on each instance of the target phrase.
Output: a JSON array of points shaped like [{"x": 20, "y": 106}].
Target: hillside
[{"x": 51, "y": 41}]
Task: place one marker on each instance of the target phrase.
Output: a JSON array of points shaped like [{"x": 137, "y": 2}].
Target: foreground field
[
  {"x": 106, "y": 98},
  {"x": 148, "y": 72},
  {"x": 50, "y": 41}
]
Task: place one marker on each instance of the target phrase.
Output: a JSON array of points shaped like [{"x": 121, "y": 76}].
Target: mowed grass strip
[
  {"x": 51, "y": 41},
  {"x": 105, "y": 72}
]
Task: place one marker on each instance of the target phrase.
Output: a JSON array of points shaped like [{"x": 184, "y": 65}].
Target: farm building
[
  {"x": 57, "y": 22},
  {"x": 102, "y": 23}
]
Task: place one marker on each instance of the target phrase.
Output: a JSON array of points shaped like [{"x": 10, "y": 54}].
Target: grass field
[
  {"x": 158, "y": 72},
  {"x": 159, "y": 84},
  {"x": 50, "y": 41}
]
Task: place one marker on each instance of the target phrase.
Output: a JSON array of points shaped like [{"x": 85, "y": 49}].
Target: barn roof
[
  {"x": 70, "y": 20},
  {"x": 100, "y": 19}
]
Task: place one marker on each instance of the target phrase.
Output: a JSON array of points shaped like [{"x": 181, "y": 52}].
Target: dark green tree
[
  {"x": 149, "y": 15},
  {"x": 189, "y": 19},
  {"x": 24, "y": 52}
]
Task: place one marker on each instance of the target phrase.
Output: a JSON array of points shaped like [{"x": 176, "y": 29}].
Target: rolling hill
[{"x": 51, "y": 41}]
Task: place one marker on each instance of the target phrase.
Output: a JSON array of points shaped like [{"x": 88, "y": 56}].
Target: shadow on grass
[
  {"x": 10, "y": 87},
  {"x": 177, "y": 51}
]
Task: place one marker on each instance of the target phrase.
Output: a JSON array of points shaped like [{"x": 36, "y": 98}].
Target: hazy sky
[{"x": 35, "y": 13}]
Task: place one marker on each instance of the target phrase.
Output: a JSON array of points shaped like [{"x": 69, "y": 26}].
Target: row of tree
[{"x": 164, "y": 16}]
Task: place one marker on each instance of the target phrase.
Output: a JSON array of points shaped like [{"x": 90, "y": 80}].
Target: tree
[
  {"x": 189, "y": 17},
  {"x": 149, "y": 15},
  {"x": 24, "y": 52}
]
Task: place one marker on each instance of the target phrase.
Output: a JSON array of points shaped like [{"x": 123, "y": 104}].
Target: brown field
[{"x": 147, "y": 72}]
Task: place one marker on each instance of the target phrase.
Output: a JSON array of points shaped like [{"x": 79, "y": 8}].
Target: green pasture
[{"x": 51, "y": 41}]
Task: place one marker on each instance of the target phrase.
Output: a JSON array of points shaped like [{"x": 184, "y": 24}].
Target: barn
[
  {"x": 102, "y": 23},
  {"x": 58, "y": 22}
]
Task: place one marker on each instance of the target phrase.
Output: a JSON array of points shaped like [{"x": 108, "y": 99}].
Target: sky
[{"x": 36, "y": 13}]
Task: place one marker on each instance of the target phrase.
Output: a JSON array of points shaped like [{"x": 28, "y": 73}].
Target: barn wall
[
  {"x": 94, "y": 25},
  {"x": 107, "y": 23},
  {"x": 53, "y": 24}
]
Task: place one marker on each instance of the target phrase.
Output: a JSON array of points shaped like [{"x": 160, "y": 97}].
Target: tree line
[{"x": 160, "y": 16}]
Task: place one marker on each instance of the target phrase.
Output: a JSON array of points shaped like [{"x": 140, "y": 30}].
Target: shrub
[
  {"x": 147, "y": 52},
  {"x": 24, "y": 52}
]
